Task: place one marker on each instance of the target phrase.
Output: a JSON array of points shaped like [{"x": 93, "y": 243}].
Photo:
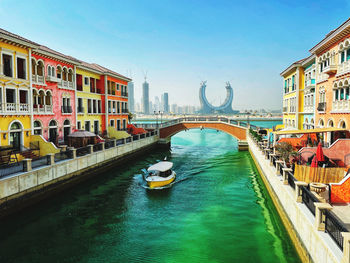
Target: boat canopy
[{"x": 161, "y": 166}]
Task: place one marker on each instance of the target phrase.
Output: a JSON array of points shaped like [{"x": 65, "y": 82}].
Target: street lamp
[
  {"x": 156, "y": 113},
  {"x": 161, "y": 116}
]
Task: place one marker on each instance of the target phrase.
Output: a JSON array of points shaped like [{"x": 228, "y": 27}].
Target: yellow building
[
  {"x": 293, "y": 98},
  {"x": 90, "y": 97},
  {"x": 16, "y": 114}
]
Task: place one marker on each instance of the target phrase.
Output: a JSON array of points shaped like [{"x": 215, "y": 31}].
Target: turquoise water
[{"x": 218, "y": 211}]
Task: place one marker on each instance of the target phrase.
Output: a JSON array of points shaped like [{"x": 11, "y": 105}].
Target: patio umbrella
[
  {"x": 319, "y": 153},
  {"x": 314, "y": 162},
  {"x": 313, "y": 169}
]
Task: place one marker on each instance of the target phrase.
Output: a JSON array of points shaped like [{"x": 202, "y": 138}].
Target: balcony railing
[
  {"x": 344, "y": 67},
  {"x": 23, "y": 107},
  {"x": 124, "y": 94},
  {"x": 11, "y": 107},
  {"x": 52, "y": 79},
  {"x": 310, "y": 82},
  {"x": 341, "y": 105},
  {"x": 330, "y": 69},
  {"x": 321, "y": 106},
  {"x": 65, "y": 84}
]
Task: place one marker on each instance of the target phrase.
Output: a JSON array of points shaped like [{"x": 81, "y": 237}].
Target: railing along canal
[{"x": 333, "y": 225}]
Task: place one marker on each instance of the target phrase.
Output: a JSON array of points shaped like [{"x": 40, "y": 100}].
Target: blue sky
[{"x": 179, "y": 43}]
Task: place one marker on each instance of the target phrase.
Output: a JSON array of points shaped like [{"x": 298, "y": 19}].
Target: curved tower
[{"x": 207, "y": 108}]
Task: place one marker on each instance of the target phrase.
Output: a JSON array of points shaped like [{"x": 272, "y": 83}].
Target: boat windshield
[{"x": 165, "y": 174}]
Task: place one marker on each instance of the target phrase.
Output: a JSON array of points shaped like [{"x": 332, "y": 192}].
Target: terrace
[{"x": 318, "y": 187}]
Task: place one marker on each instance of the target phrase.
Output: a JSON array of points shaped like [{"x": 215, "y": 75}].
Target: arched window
[
  {"x": 37, "y": 128},
  {"x": 16, "y": 126},
  {"x": 342, "y": 124},
  {"x": 40, "y": 68},
  {"x": 52, "y": 123},
  {"x": 59, "y": 72},
  {"x": 66, "y": 123},
  {"x": 49, "y": 70},
  {"x": 330, "y": 123},
  {"x": 321, "y": 123}
]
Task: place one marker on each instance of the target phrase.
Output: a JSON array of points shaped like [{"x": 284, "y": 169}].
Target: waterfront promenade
[{"x": 318, "y": 234}]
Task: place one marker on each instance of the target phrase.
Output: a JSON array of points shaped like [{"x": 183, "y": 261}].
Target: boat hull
[{"x": 160, "y": 183}]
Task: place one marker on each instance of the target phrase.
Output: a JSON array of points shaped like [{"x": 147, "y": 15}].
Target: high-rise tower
[
  {"x": 165, "y": 102},
  {"x": 131, "y": 97},
  {"x": 145, "y": 97}
]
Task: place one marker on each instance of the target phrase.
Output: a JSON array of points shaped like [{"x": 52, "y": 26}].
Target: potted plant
[{"x": 286, "y": 151}]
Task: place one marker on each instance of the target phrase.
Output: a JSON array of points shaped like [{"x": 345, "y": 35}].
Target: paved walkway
[{"x": 343, "y": 212}]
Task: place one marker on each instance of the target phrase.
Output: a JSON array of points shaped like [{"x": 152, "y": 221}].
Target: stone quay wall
[{"x": 303, "y": 227}]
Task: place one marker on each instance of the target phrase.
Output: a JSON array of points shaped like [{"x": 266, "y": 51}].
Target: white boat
[{"x": 160, "y": 174}]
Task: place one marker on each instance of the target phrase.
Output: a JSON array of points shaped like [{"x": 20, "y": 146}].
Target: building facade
[
  {"x": 317, "y": 89},
  {"x": 53, "y": 82},
  {"x": 47, "y": 93},
  {"x": 16, "y": 112}
]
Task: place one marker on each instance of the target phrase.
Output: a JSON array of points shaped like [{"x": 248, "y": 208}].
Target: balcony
[
  {"x": 124, "y": 111},
  {"x": 330, "y": 69},
  {"x": 52, "y": 79},
  {"x": 344, "y": 67},
  {"x": 66, "y": 109},
  {"x": 38, "y": 79},
  {"x": 14, "y": 107},
  {"x": 341, "y": 105},
  {"x": 124, "y": 94},
  {"x": 309, "y": 108},
  {"x": 65, "y": 84},
  {"x": 321, "y": 106},
  {"x": 42, "y": 109},
  {"x": 310, "y": 83}
]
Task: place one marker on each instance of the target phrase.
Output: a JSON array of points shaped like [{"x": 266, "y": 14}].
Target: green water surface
[{"x": 217, "y": 211}]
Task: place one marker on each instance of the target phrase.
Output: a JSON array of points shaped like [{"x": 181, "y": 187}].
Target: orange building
[
  {"x": 115, "y": 99},
  {"x": 332, "y": 81}
]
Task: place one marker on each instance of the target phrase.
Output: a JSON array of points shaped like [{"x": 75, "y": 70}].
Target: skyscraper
[
  {"x": 165, "y": 102},
  {"x": 157, "y": 104},
  {"x": 145, "y": 97},
  {"x": 131, "y": 96}
]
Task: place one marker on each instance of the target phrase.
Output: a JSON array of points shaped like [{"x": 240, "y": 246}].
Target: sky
[{"x": 180, "y": 43}]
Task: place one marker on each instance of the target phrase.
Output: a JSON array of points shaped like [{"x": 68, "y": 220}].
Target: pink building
[{"x": 53, "y": 82}]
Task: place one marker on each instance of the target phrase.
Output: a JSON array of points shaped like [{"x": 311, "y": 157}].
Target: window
[
  {"x": 23, "y": 97},
  {"x": 112, "y": 123},
  {"x": 10, "y": 96},
  {"x": 118, "y": 107},
  {"x": 118, "y": 125},
  {"x": 109, "y": 106},
  {"x": 87, "y": 125},
  {"x": 117, "y": 86},
  {"x": 89, "y": 106},
  {"x": 59, "y": 72},
  {"x": 37, "y": 128},
  {"x": 86, "y": 81},
  {"x": 114, "y": 111},
  {"x": 79, "y": 125},
  {"x": 99, "y": 107},
  {"x": 124, "y": 124},
  {"x": 94, "y": 106},
  {"x": 7, "y": 64},
  {"x": 80, "y": 105},
  {"x": 21, "y": 68}
]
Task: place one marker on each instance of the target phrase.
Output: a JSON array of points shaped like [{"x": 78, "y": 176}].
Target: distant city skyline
[{"x": 248, "y": 43}]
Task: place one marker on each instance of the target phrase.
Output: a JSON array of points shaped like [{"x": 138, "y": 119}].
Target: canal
[{"x": 218, "y": 211}]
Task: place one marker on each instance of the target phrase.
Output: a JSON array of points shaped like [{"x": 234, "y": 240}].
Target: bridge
[{"x": 236, "y": 128}]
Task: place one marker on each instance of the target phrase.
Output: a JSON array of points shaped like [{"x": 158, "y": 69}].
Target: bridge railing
[{"x": 196, "y": 119}]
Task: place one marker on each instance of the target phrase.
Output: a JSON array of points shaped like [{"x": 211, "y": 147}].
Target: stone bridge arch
[{"x": 238, "y": 132}]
